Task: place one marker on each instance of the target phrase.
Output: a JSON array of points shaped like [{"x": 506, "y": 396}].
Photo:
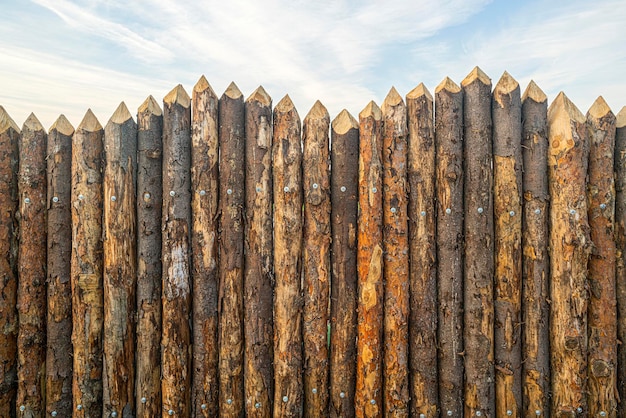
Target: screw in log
[
  {"x": 344, "y": 156},
  {"x": 422, "y": 251},
  {"x": 59, "y": 246},
  {"x": 449, "y": 187},
  {"x": 620, "y": 253},
  {"x": 569, "y": 249},
  {"x": 149, "y": 268},
  {"x": 120, "y": 257},
  {"x": 287, "y": 172},
  {"x": 258, "y": 266},
  {"x": 176, "y": 227},
  {"x": 602, "y": 327},
  {"x": 86, "y": 267},
  {"x": 316, "y": 259},
  {"x": 369, "y": 359},
  {"x": 507, "y": 186},
  {"x": 204, "y": 247},
  {"x": 535, "y": 262}
]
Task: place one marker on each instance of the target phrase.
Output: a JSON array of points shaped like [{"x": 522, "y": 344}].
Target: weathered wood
[
  {"x": 479, "y": 246},
  {"x": 149, "y": 268},
  {"x": 344, "y": 156},
  {"x": 86, "y": 267},
  {"x": 396, "y": 260},
  {"x": 176, "y": 227},
  {"x": 31, "y": 292},
  {"x": 422, "y": 250},
  {"x": 449, "y": 187},
  {"x": 316, "y": 259},
  {"x": 120, "y": 257},
  {"x": 231, "y": 194},
  {"x": 204, "y": 247},
  {"x": 287, "y": 177},
  {"x": 602, "y": 331},
  {"x": 258, "y": 266},
  {"x": 369, "y": 359},
  {"x": 569, "y": 249},
  {"x": 620, "y": 253},
  {"x": 535, "y": 262},
  {"x": 59, "y": 318},
  {"x": 507, "y": 208}
]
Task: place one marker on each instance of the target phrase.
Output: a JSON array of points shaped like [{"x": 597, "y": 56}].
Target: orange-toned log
[{"x": 620, "y": 253}]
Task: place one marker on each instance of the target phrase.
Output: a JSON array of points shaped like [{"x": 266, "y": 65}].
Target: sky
[{"x": 63, "y": 57}]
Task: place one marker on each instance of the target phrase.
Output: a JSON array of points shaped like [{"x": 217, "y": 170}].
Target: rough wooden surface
[
  {"x": 569, "y": 246},
  {"x": 344, "y": 155},
  {"x": 422, "y": 251},
  {"x": 479, "y": 246},
  {"x": 369, "y": 359},
  {"x": 59, "y": 319},
  {"x": 86, "y": 267},
  {"x": 620, "y": 253},
  {"x": 602, "y": 331}
]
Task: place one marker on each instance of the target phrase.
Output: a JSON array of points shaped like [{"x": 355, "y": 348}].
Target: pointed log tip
[
  {"x": 476, "y": 74},
  {"x": 344, "y": 122},
  {"x": 150, "y": 105},
  {"x": 285, "y": 105},
  {"x": 203, "y": 85},
  {"x": 233, "y": 91},
  {"x": 448, "y": 85},
  {"x": 6, "y": 122},
  {"x": 599, "y": 108},
  {"x": 261, "y": 96},
  {"x": 318, "y": 111},
  {"x": 562, "y": 105},
  {"x": 120, "y": 115},
  {"x": 89, "y": 123},
  {"x": 32, "y": 123},
  {"x": 179, "y": 96},
  {"x": 418, "y": 92},
  {"x": 534, "y": 93},
  {"x": 393, "y": 99},
  {"x": 506, "y": 84},
  {"x": 62, "y": 126},
  {"x": 371, "y": 110},
  {"x": 620, "y": 121}
]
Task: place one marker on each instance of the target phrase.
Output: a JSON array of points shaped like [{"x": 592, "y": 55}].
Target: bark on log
[
  {"x": 535, "y": 262},
  {"x": 344, "y": 155},
  {"x": 369, "y": 359},
  {"x": 258, "y": 266},
  {"x": 59, "y": 318},
  {"x": 120, "y": 256},
  {"x": 478, "y": 334},
  {"x": 86, "y": 269},
  {"x": 149, "y": 271},
  {"x": 449, "y": 162},
  {"x": 507, "y": 170},
  {"x": 287, "y": 171},
  {"x": 569, "y": 252},
  {"x": 422, "y": 251},
  {"x": 176, "y": 299},
  {"x": 602, "y": 331},
  {"x": 620, "y": 243}
]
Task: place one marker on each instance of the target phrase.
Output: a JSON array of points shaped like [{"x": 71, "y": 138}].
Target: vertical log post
[{"x": 620, "y": 243}]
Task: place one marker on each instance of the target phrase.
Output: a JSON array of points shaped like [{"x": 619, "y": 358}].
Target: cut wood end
[
  {"x": 599, "y": 108},
  {"x": 203, "y": 85},
  {"x": 506, "y": 84},
  {"x": 33, "y": 123},
  {"x": 120, "y": 115},
  {"x": 448, "y": 85},
  {"x": 62, "y": 126},
  {"x": 620, "y": 121},
  {"x": 344, "y": 122},
  {"x": 89, "y": 123},
  {"x": 476, "y": 74},
  {"x": 179, "y": 96},
  {"x": 6, "y": 122},
  {"x": 371, "y": 110},
  {"x": 564, "y": 106},
  {"x": 233, "y": 91},
  {"x": 318, "y": 111},
  {"x": 261, "y": 96},
  {"x": 534, "y": 93},
  {"x": 285, "y": 105},
  {"x": 393, "y": 99},
  {"x": 418, "y": 92},
  {"x": 150, "y": 105}
]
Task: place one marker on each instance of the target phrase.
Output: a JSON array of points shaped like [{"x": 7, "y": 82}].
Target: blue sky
[{"x": 62, "y": 56}]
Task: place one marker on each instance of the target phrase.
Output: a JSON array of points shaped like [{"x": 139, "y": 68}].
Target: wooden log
[
  {"x": 535, "y": 262},
  {"x": 231, "y": 195},
  {"x": 149, "y": 268},
  {"x": 120, "y": 257},
  {"x": 569, "y": 248},
  {"x": 620, "y": 253},
  {"x": 287, "y": 178},
  {"x": 86, "y": 267},
  {"x": 602, "y": 330},
  {"x": 31, "y": 292},
  {"x": 176, "y": 227},
  {"x": 258, "y": 266},
  {"x": 507, "y": 186},
  {"x": 344, "y": 156},
  {"x": 316, "y": 259},
  {"x": 422, "y": 251},
  {"x": 396, "y": 261},
  {"x": 369, "y": 359},
  {"x": 204, "y": 247},
  {"x": 59, "y": 318},
  {"x": 449, "y": 187}
]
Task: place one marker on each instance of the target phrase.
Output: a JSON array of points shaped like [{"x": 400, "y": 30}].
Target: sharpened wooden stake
[{"x": 620, "y": 253}]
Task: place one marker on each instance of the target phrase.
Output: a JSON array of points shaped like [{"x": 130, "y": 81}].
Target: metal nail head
[
  {"x": 229, "y": 191},
  {"x": 423, "y": 213},
  {"x": 203, "y": 406},
  {"x": 343, "y": 188},
  {"x": 170, "y": 412},
  {"x": 79, "y": 407},
  {"x": 315, "y": 185},
  {"x": 53, "y": 413},
  {"x": 203, "y": 192},
  {"x": 81, "y": 197},
  {"x": 55, "y": 200},
  {"x": 512, "y": 213},
  {"x": 144, "y": 400},
  {"x": 537, "y": 211},
  {"x": 603, "y": 206},
  {"x": 314, "y": 390},
  {"x": 286, "y": 189},
  {"x": 22, "y": 408},
  {"x": 257, "y": 405},
  {"x": 374, "y": 189},
  {"x": 480, "y": 210},
  {"x": 342, "y": 395},
  {"x": 172, "y": 193},
  {"x": 448, "y": 211},
  {"x": 114, "y": 414},
  {"x": 113, "y": 198},
  {"x": 373, "y": 401},
  {"x": 285, "y": 398},
  {"x": 393, "y": 210}
]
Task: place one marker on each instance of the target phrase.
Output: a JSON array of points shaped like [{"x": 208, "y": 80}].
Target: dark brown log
[
  {"x": 507, "y": 186},
  {"x": 535, "y": 262},
  {"x": 86, "y": 268},
  {"x": 344, "y": 155},
  {"x": 176, "y": 227},
  {"x": 258, "y": 267},
  {"x": 569, "y": 246},
  {"x": 602, "y": 331},
  {"x": 479, "y": 242},
  {"x": 369, "y": 359},
  {"x": 287, "y": 177},
  {"x": 620, "y": 253},
  {"x": 59, "y": 322},
  {"x": 120, "y": 257},
  {"x": 422, "y": 251},
  {"x": 149, "y": 271}
]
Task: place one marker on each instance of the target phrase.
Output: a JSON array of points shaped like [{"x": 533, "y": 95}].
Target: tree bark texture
[{"x": 620, "y": 253}]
